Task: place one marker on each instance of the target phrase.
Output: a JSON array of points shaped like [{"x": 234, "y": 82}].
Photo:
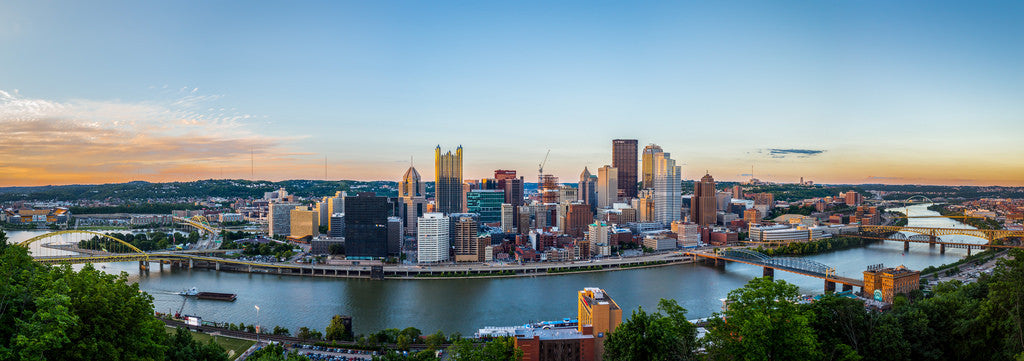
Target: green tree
[
  {"x": 182, "y": 347},
  {"x": 413, "y": 333},
  {"x": 1005, "y": 304},
  {"x": 887, "y": 341},
  {"x": 842, "y": 326},
  {"x": 281, "y": 331},
  {"x": 762, "y": 322},
  {"x": 653, "y": 336},
  {"x": 403, "y": 342},
  {"x": 435, "y": 340},
  {"x": 275, "y": 352},
  {"x": 498, "y": 349},
  {"x": 56, "y": 313},
  {"x": 336, "y": 330}
]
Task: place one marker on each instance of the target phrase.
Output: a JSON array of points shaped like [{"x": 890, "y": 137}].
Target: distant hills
[
  {"x": 224, "y": 188},
  {"x": 240, "y": 188}
]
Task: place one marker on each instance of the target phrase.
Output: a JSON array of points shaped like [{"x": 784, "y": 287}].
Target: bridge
[
  {"x": 933, "y": 236},
  {"x": 800, "y": 266},
  {"x": 200, "y": 223},
  {"x": 117, "y": 250},
  {"x": 113, "y": 249}
]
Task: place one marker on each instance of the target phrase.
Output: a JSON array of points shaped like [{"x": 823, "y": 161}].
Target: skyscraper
[
  {"x": 624, "y": 153},
  {"x": 588, "y": 189},
  {"x": 703, "y": 205},
  {"x": 448, "y": 180},
  {"x": 508, "y": 216},
  {"x": 304, "y": 222},
  {"x": 486, "y": 203},
  {"x": 280, "y": 218},
  {"x": 668, "y": 199},
  {"x": 465, "y": 229},
  {"x": 577, "y": 217},
  {"x": 336, "y": 205},
  {"x": 502, "y": 174},
  {"x": 412, "y": 199},
  {"x": 432, "y": 238},
  {"x": 514, "y": 190},
  {"x": 648, "y": 165},
  {"x": 366, "y": 218},
  {"x": 607, "y": 186}
]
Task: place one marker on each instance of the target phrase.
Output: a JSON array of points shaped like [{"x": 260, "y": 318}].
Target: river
[{"x": 464, "y": 305}]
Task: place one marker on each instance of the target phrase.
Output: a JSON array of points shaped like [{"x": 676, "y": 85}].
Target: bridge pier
[
  {"x": 931, "y": 241},
  {"x": 189, "y": 263},
  {"x": 161, "y": 266},
  {"x": 942, "y": 248},
  {"x": 830, "y": 287},
  {"x": 217, "y": 266},
  {"x": 968, "y": 251},
  {"x": 143, "y": 266},
  {"x": 847, "y": 287},
  {"x": 768, "y": 272},
  {"x": 906, "y": 246},
  {"x": 250, "y": 268}
]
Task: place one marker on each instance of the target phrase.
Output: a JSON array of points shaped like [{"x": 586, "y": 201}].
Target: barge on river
[{"x": 216, "y": 296}]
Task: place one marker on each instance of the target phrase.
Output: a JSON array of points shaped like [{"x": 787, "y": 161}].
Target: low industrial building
[
  {"x": 783, "y": 233},
  {"x": 323, "y": 245}
]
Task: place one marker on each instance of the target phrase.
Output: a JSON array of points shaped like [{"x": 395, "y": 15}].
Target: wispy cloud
[
  {"x": 54, "y": 142},
  {"x": 790, "y": 152}
]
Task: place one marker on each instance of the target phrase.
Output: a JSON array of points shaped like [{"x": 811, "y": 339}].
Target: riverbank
[
  {"x": 831, "y": 244},
  {"x": 408, "y": 272},
  {"x": 948, "y": 269}
]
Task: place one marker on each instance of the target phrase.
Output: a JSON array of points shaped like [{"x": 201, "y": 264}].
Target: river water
[{"x": 466, "y": 305}]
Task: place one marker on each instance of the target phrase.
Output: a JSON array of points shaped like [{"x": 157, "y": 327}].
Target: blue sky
[{"x": 895, "y": 92}]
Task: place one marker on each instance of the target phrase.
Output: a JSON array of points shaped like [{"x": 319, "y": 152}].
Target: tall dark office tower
[
  {"x": 448, "y": 180},
  {"x": 366, "y": 226},
  {"x": 514, "y": 191},
  {"x": 703, "y": 205},
  {"x": 624, "y": 153},
  {"x": 587, "y": 191}
]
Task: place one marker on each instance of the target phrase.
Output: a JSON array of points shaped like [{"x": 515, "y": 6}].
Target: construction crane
[{"x": 540, "y": 169}]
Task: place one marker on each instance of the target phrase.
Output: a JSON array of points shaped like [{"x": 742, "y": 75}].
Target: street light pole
[{"x": 257, "y": 324}]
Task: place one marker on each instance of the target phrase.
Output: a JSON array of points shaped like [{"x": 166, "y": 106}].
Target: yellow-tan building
[
  {"x": 305, "y": 222},
  {"x": 598, "y": 315},
  {"x": 885, "y": 283}
]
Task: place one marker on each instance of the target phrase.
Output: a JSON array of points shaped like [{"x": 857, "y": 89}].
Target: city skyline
[{"x": 867, "y": 92}]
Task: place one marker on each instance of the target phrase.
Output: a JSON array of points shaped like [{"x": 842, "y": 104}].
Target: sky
[{"x": 832, "y": 91}]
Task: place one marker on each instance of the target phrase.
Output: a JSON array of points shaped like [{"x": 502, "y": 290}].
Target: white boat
[{"x": 193, "y": 292}]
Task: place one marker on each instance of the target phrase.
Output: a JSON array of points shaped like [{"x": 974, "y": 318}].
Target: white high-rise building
[
  {"x": 280, "y": 218},
  {"x": 507, "y": 217},
  {"x": 597, "y": 234},
  {"x": 667, "y": 189},
  {"x": 607, "y": 186},
  {"x": 432, "y": 238}
]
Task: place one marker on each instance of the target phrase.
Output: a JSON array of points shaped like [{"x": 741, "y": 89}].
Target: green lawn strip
[{"x": 228, "y": 343}]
